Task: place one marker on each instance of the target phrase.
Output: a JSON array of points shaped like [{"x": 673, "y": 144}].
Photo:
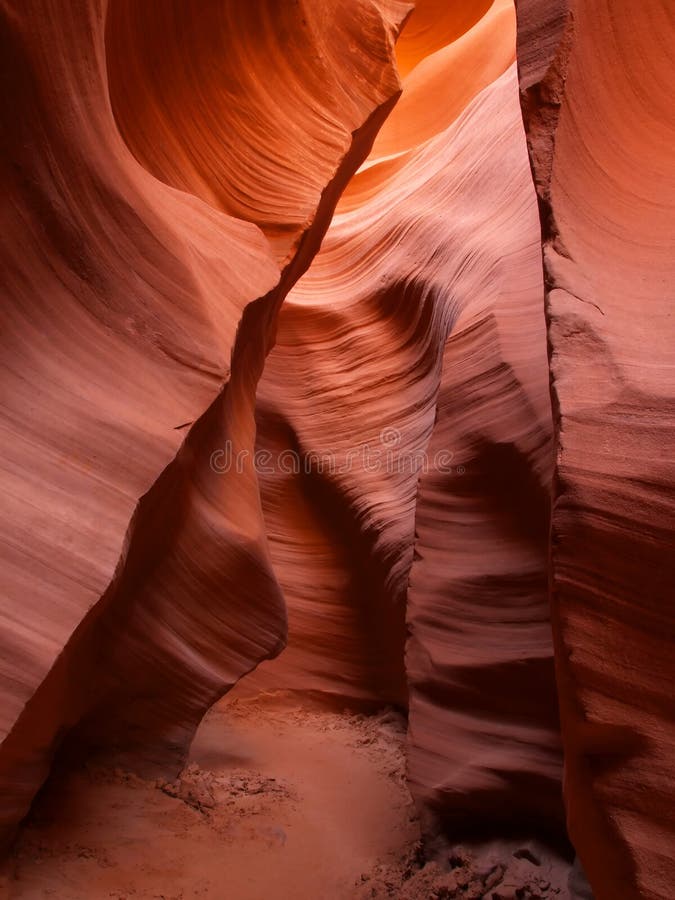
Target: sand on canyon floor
[
  {"x": 276, "y": 801},
  {"x": 280, "y": 799}
]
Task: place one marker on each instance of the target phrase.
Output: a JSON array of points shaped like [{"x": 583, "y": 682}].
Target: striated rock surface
[
  {"x": 249, "y": 106},
  {"x": 137, "y": 585},
  {"x": 195, "y": 475},
  {"x": 483, "y": 742},
  {"x": 421, "y": 319},
  {"x": 601, "y": 126}
]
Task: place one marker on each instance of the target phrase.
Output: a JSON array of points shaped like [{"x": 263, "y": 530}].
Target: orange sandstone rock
[
  {"x": 137, "y": 312},
  {"x": 416, "y": 339},
  {"x": 601, "y": 126}
]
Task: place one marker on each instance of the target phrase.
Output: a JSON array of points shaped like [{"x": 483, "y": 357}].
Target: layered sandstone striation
[
  {"x": 597, "y": 97},
  {"x": 280, "y": 227},
  {"x": 408, "y": 392},
  {"x": 138, "y": 308}
]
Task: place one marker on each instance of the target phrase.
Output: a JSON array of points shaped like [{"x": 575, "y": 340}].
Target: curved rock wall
[
  {"x": 191, "y": 107},
  {"x": 484, "y": 744},
  {"x": 597, "y": 82},
  {"x": 137, "y": 585},
  {"x": 170, "y": 171},
  {"x": 421, "y": 319}
]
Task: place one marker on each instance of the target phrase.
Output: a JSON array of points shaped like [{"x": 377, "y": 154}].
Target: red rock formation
[
  {"x": 170, "y": 171},
  {"x": 136, "y": 580},
  {"x": 483, "y": 718},
  {"x": 191, "y": 109},
  {"x": 429, "y": 278},
  {"x": 601, "y": 129}
]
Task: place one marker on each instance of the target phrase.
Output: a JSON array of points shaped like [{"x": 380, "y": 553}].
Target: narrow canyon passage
[{"x": 336, "y": 393}]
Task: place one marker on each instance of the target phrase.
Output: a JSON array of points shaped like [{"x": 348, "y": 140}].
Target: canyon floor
[{"x": 279, "y": 799}]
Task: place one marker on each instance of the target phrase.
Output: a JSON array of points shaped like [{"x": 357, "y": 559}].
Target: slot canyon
[{"x": 337, "y": 399}]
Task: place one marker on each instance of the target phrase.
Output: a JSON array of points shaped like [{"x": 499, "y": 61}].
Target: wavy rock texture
[
  {"x": 137, "y": 584},
  {"x": 421, "y": 319},
  {"x": 170, "y": 171},
  {"x": 601, "y": 129},
  {"x": 483, "y": 741}
]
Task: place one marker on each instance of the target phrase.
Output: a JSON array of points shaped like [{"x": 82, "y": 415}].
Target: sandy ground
[{"x": 277, "y": 801}]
